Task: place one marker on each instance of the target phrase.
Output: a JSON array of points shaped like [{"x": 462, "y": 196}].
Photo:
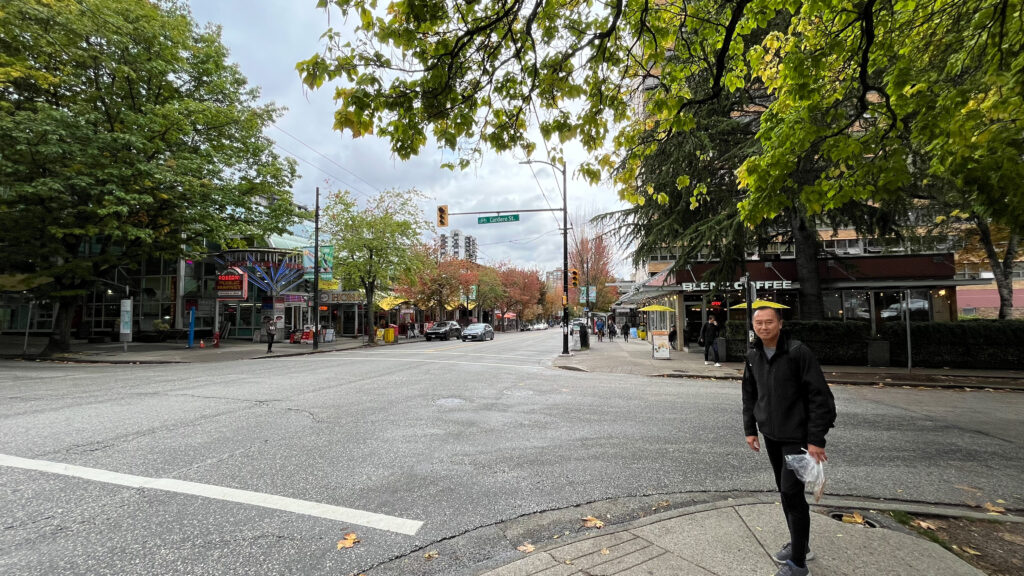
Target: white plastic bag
[{"x": 809, "y": 470}]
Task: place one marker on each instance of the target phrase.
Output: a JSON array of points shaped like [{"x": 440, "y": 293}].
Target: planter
[{"x": 878, "y": 353}]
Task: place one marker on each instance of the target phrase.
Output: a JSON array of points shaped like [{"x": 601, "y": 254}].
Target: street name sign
[{"x": 497, "y": 219}]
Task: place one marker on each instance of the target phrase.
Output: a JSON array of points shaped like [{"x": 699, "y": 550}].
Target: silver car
[{"x": 478, "y": 331}]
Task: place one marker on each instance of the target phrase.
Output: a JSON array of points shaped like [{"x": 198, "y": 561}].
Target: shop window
[{"x": 857, "y": 306}]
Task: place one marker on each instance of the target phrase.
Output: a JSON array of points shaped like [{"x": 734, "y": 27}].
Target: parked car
[
  {"x": 443, "y": 331},
  {"x": 478, "y": 331},
  {"x": 540, "y": 326},
  {"x": 918, "y": 307}
]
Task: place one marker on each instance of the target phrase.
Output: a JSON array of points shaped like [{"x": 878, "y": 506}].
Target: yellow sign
[
  {"x": 380, "y": 335},
  {"x": 330, "y": 285}
]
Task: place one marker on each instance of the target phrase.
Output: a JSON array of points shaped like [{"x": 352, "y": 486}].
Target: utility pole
[
  {"x": 565, "y": 253},
  {"x": 316, "y": 272}
]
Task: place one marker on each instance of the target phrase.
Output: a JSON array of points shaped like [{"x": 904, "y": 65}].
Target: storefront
[{"x": 871, "y": 289}]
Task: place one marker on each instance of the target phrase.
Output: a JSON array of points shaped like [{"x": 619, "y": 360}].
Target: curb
[
  {"x": 876, "y": 382},
  {"x": 772, "y": 498}
]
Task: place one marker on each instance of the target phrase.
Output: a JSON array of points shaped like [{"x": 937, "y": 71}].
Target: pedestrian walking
[
  {"x": 709, "y": 339},
  {"x": 625, "y": 332},
  {"x": 786, "y": 399},
  {"x": 612, "y": 331},
  {"x": 271, "y": 328},
  {"x": 672, "y": 336},
  {"x": 600, "y": 329}
]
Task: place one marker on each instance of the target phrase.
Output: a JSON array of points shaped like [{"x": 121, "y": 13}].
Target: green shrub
[
  {"x": 993, "y": 344},
  {"x": 833, "y": 342}
]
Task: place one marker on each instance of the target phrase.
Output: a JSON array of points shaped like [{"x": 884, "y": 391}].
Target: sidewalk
[
  {"x": 634, "y": 357},
  {"x": 11, "y": 347},
  {"x": 737, "y": 537}
]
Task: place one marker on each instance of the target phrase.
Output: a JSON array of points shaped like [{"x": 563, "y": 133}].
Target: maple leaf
[
  {"x": 349, "y": 541},
  {"x": 526, "y": 547},
  {"x": 854, "y": 518},
  {"x": 591, "y": 522}
]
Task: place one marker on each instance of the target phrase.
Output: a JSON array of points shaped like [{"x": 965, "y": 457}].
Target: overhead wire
[{"x": 329, "y": 159}]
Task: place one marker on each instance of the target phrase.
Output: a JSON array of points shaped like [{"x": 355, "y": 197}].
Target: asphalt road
[{"x": 224, "y": 468}]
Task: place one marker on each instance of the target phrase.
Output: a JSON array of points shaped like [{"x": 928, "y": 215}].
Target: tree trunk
[
  {"x": 369, "y": 326},
  {"x": 1002, "y": 270},
  {"x": 60, "y": 335},
  {"x": 805, "y": 243}
]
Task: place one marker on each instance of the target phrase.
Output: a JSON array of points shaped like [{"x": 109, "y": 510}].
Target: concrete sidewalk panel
[
  {"x": 717, "y": 541},
  {"x": 595, "y": 562},
  {"x": 853, "y": 550},
  {"x": 667, "y": 565},
  {"x": 530, "y": 565},
  {"x": 589, "y": 546}
]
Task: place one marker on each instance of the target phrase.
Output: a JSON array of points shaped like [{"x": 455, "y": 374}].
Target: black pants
[
  {"x": 708, "y": 347},
  {"x": 791, "y": 490},
  {"x": 270, "y": 341}
]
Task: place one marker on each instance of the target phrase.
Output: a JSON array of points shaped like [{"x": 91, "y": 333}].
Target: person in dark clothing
[
  {"x": 786, "y": 399},
  {"x": 271, "y": 327},
  {"x": 709, "y": 339},
  {"x": 625, "y": 332},
  {"x": 672, "y": 335}
]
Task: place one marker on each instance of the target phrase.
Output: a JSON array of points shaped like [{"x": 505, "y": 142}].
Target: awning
[{"x": 389, "y": 302}]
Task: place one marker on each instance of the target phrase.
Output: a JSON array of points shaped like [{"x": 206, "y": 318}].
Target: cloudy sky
[{"x": 266, "y": 39}]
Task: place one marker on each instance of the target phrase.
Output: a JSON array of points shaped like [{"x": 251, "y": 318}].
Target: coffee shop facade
[{"x": 871, "y": 289}]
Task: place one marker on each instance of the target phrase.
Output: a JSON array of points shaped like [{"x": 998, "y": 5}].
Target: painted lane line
[
  {"x": 305, "y": 507},
  {"x": 425, "y": 360},
  {"x": 441, "y": 351}
]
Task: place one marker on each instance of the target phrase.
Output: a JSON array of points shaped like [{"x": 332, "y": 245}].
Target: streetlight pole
[
  {"x": 316, "y": 272},
  {"x": 565, "y": 253}
]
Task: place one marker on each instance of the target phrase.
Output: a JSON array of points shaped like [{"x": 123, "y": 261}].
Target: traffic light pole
[{"x": 565, "y": 265}]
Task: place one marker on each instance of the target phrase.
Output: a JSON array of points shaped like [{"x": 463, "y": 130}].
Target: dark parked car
[
  {"x": 443, "y": 331},
  {"x": 478, "y": 332}
]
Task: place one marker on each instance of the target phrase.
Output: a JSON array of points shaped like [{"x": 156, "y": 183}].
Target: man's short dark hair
[{"x": 778, "y": 313}]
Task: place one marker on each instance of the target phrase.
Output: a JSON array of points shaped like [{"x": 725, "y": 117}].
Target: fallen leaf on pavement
[
  {"x": 662, "y": 504},
  {"x": 1018, "y": 540},
  {"x": 349, "y": 541},
  {"x": 854, "y": 518},
  {"x": 605, "y": 551},
  {"x": 993, "y": 508},
  {"x": 431, "y": 555},
  {"x": 970, "y": 551},
  {"x": 591, "y": 522},
  {"x": 1000, "y": 501},
  {"x": 526, "y": 547},
  {"x": 967, "y": 488},
  {"x": 925, "y": 525}
]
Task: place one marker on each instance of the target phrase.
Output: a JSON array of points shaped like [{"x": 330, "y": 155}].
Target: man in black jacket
[{"x": 786, "y": 398}]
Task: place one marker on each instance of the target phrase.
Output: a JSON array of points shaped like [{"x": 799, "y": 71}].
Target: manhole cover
[
  {"x": 514, "y": 392},
  {"x": 838, "y": 517},
  {"x": 449, "y": 401}
]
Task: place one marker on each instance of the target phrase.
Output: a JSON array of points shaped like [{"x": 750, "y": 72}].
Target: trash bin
[
  {"x": 641, "y": 332},
  {"x": 389, "y": 335}
]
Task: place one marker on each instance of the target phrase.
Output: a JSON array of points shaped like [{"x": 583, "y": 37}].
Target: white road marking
[
  {"x": 338, "y": 513},
  {"x": 336, "y": 358},
  {"x": 446, "y": 351}
]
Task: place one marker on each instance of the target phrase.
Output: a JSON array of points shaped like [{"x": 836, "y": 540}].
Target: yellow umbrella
[
  {"x": 760, "y": 304},
  {"x": 657, "y": 308}
]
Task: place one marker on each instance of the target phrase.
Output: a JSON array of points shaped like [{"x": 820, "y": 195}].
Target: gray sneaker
[
  {"x": 786, "y": 554},
  {"x": 790, "y": 569}
]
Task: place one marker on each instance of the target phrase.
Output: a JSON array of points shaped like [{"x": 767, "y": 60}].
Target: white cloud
[{"x": 268, "y": 37}]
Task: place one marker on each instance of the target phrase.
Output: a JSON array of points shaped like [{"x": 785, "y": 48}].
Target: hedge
[{"x": 993, "y": 344}]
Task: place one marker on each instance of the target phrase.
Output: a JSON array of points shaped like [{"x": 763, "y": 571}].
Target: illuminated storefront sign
[
  {"x": 232, "y": 284},
  {"x": 760, "y": 285}
]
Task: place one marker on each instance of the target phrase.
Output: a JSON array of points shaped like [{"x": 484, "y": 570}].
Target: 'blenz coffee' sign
[{"x": 232, "y": 284}]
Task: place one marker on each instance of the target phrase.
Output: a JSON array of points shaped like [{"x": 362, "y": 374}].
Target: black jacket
[
  {"x": 787, "y": 398},
  {"x": 709, "y": 332}
]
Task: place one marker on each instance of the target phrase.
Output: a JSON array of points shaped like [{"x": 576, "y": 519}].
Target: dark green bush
[
  {"x": 833, "y": 342},
  {"x": 993, "y": 344}
]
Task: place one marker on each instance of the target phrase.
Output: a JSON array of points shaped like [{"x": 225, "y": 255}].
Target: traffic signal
[
  {"x": 442, "y": 215},
  {"x": 574, "y": 277}
]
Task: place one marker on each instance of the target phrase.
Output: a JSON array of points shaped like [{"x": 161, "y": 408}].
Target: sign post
[{"x": 126, "y": 322}]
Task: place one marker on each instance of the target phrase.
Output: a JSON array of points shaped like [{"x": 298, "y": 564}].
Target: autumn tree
[
  {"x": 522, "y": 288},
  {"x": 125, "y": 133},
  {"x": 374, "y": 245}
]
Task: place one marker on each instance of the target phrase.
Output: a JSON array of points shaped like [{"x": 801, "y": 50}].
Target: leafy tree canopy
[
  {"x": 851, "y": 86},
  {"x": 125, "y": 133}
]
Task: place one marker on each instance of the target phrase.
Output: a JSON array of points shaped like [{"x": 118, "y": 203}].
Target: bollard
[{"x": 202, "y": 343}]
